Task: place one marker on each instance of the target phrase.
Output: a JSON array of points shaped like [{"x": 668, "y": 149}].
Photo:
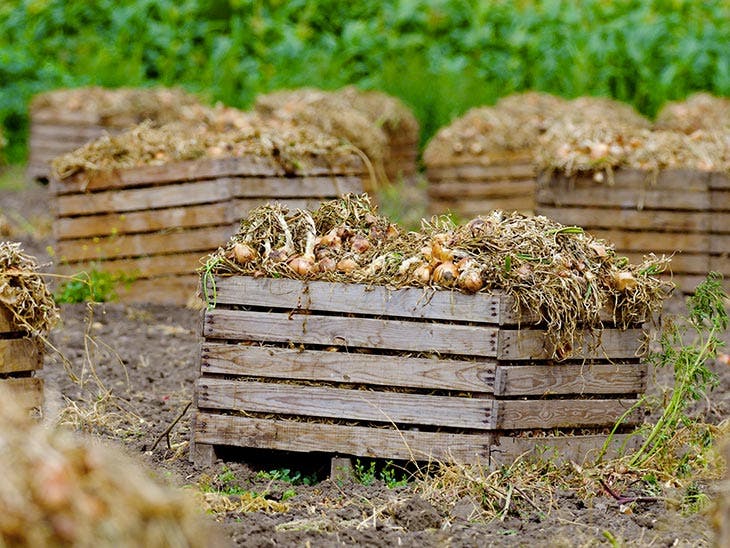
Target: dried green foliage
[
  {"x": 564, "y": 276},
  {"x": 700, "y": 111},
  {"x": 62, "y": 491},
  {"x": 23, "y": 291}
]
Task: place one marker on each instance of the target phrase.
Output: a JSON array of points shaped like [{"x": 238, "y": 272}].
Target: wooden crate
[
  {"x": 474, "y": 188},
  {"x": 54, "y": 133},
  {"x": 684, "y": 212},
  {"x": 156, "y": 222},
  {"x": 21, "y": 356},
  {"x": 400, "y": 374}
]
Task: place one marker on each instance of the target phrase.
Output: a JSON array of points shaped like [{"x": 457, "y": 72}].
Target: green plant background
[{"x": 440, "y": 56}]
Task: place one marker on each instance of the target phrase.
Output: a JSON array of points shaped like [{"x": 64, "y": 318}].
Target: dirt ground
[{"x": 137, "y": 366}]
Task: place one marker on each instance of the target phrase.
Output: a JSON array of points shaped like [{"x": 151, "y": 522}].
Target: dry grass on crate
[{"x": 700, "y": 111}]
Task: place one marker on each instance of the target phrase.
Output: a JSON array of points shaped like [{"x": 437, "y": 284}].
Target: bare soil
[{"x": 138, "y": 365}]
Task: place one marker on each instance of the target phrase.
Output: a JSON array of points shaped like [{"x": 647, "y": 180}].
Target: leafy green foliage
[
  {"x": 287, "y": 476},
  {"x": 707, "y": 318},
  {"x": 92, "y": 286},
  {"x": 368, "y": 473},
  {"x": 440, "y": 56}
]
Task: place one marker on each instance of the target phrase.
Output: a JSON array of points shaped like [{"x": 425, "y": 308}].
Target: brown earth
[{"x": 137, "y": 366}]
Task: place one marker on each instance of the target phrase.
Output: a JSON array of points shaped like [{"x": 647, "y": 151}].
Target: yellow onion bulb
[
  {"x": 243, "y": 253},
  {"x": 347, "y": 265},
  {"x": 445, "y": 274}
]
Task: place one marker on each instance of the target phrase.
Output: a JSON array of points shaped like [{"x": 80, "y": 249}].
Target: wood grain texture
[
  {"x": 178, "y": 290},
  {"x": 351, "y": 332},
  {"x": 205, "y": 239},
  {"x": 347, "y": 404},
  {"x": 466, "y": 209},
  {"x": 625, "y": 198},
  {"x": 564, "y": 379},
  {"x": 294, "y": 187},
  {"x": 108, "y": 224},
  {"x": 591, "y": 218},
  {"x": 569, "y": 413},
  {"x": 333, "y": 438},
  {"x": 24, "y": 354},
  {"x": 558, "y": 449},
  {"x": 683, "y": 180},
  {"x": 207, "y": 168},
  {"x": 409, "y": 302},
  {"x": 658, "y": 242},
  {"x": 529, "y": 344},
  {"x": 480, "y": 189},
  {"x": 142, "y": 267},
  {"x": 342, "y": 367},
  {"x": 516, "y": 166}
]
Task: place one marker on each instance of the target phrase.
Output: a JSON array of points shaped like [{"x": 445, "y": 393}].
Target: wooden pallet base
[{"x": 491, "y": 449}]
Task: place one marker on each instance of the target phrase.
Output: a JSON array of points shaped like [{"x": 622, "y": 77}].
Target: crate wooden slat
[
  {"x": 679, "y": 212},
  {"x": 371, "y": 371},
  {"x": 154, "y": 223},
  {"x": 468, "y": 188},
  {"x": 21, "y": 355}
]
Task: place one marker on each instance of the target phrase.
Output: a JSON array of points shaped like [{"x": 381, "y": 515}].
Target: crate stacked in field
[
  {"x": 27, "y": 312},
  {"x": 417, "y": 345},
  {"x": 485, "y": 160},
  {"x": 150, "y": 202},
  {"x": 378, "y": 124},
  {"x": 645, "y": 191},
  {"x": 63, "y": 120}
]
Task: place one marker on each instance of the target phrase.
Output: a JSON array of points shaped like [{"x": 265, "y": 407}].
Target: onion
[
  {"x": 445, "y": 274},
  {"x": 392, "y": 232},
  {"x": 624, "y": 280},
  {"x": 279, "y": 255},
  {"x": 302, "y": 265},
  {"x": 331, "y": 239},
  {"x": 427, "y": 252},
  {"x": 422, "y": 274},
  {"x": 599, "y": 248},
  {"x": 359, "y": 243},
  {"x": 370, "y": 219},
  {"x": 327, "y": 264},
  {"x": 243, "y": 253},
  {"x": 470, "y": 280},
  {"x": 441, "y": 252},
  {"x": 347, "y": 265}
]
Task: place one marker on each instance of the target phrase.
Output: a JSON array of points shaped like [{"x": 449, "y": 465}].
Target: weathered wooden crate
[
  {"x": 155, "y": 222},
  {"x": 473, "y": 187},
  {"x": 680, "y": 212},
  {"x": 401, "y": 374},
  {"x": 53, "y": 134},
  {"x": 21, "y": 355}
]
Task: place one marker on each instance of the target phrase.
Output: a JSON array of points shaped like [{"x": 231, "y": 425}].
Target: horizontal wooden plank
[
  {"x": 720, "y": 201},
  {"x": 120, "y": 201},
  {"x": 411, "y": 302},
  {"x": 28, "y": 391},
  {"x": 68, "y": 117},
  {"x": 592, "y": 218},
  {"x": 517, "y": 166},
  {"x": 24, "y": 354},
  {"x": 383, "y": 443},
  {"x": 658, "y": 242},
  {"x": 498, "y": 188},
  {"x": 338, "y": 403},
  {"x": 528, "y": 414},
  {"x": 206, "y": 239},
  {"x": 342, "y": 367},
  {"x": 530, "y": 344},
  {"x": 721, "y": 264},
  {"x": 683, "y": 180},
  {"x": 178, "y": 290},
  {"x": 8, "y": 321},
  {"x": 720, "y": 181},
  {"x": 720, "y": 244},
  {"x": 351, "y": 332},
  {"x": 140, "y": 267},
  {"x": 295, "y": 187},
  {"x": 467, "y": 209},
  {"x": 207, "y": 168},
  {"x": 50, "y": 131},
  {"x": 107, "y": 224},
  {"x": 558, "y": 448},
  {"x": 720, "y": 223},
  {"x": 583, "y": 378},
  {"x": 207, "y": 191},
  {"x": 611, "y": 197}
]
